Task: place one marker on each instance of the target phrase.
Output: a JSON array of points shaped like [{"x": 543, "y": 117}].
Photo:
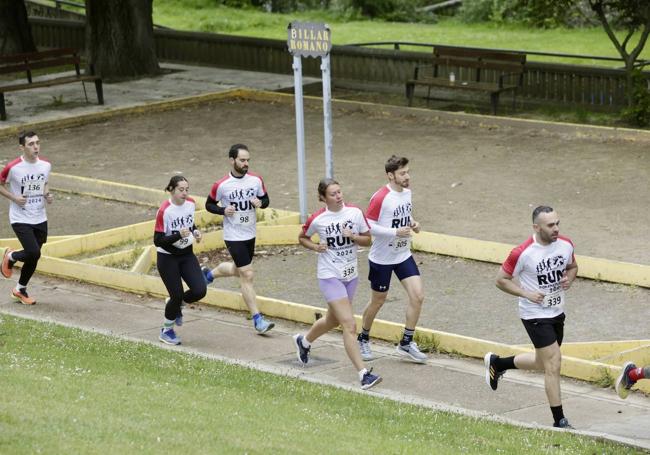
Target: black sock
[
  {"x": 505, "y": 363},
  {"x": 407, "y": 337},
  {"x": 558, "y": 414},
  {"x": 364, "y": 335}
]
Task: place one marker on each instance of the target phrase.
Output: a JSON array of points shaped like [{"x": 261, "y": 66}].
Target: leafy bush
[
  {"x": 638, "y": 113},
  {"x": 393, "y": 10},
  {"x": 536, "y": 13}
]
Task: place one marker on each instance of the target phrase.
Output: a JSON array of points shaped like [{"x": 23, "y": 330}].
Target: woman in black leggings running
[{"x": 174, "y": 235}]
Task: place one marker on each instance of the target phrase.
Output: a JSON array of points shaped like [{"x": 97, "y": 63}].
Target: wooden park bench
[
  {"x": 477, "y": 70},
  {"x": 62, "y": 59}
]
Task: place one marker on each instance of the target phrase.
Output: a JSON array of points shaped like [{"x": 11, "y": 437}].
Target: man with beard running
[
  {"x": 539, "y": 272},
  {"x": 236, "y": 197},
  {"x": 391, "y": 224}
]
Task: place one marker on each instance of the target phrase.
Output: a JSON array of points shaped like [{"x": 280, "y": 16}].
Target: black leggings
[
  {"x": 31, "y": 237},
  {"x": 172, "y": 270}
]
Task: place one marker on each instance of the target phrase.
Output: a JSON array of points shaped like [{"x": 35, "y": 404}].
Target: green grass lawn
[
  {"x": 206, "y": 16},
  {"x": 67, "y": 391}
]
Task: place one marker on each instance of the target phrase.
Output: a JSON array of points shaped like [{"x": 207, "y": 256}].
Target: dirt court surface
[{"x": 471, "y": 176}]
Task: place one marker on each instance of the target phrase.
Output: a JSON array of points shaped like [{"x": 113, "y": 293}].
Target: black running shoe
[
  {"x": 492, "y": 375},
  {"x": 301, "y": 351}
]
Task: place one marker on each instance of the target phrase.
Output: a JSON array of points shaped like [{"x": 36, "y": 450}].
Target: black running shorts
[
  {"x": 242, "y": 252},
  {"x": 545, "y": 331}
]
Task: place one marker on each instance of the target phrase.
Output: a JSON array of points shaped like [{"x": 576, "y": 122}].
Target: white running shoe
[
  {"x": 412, "y": 352},
  {"x": 366, "y": 351}
]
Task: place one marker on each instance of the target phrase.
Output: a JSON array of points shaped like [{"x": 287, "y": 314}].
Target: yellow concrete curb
[
  {"x": 145, "y": 261},
  {"x": 486, "y": 251},
  {"x": 446, "y": 342}
]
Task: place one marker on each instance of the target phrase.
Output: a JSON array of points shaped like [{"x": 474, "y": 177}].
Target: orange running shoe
[
  {"x": 7, "y": 264},
  {"x": 22, "y": 297}
]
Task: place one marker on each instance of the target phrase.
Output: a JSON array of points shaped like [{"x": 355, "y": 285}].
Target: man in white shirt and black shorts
[
  {"x": 539, "y": 272},
  {"x": 236, "y": 196},
  {"x": 391, "y": 224},
  {"x": 24, "y": 181}
]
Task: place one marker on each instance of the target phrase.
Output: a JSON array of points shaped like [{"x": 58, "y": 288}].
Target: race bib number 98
[
  {"x": 244, "y": 218},
  {"x": 554, "y": 299}
]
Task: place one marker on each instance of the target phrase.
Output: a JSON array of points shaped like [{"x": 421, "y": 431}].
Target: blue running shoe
[
  {"x": 563, "y": 423},
  {"x": 623, "y": 382},
  {"x": 207, "y": 275},
  {"x": 169, "y": 337},
  {"x": 369, "y": 380},
  {"x": 262, "y": 325},
  {"x": 301, "y": 351}
]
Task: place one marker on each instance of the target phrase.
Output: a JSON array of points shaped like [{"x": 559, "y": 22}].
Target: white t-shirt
[
  {"x": 540, "y": 268},
  {"x": 27, "y": 179},
  {"x": 238, "y": 192},
  {"x": 387, "y": 211},
  {"x": 171, "y": 218},
  {"x": 340, "y": 259}
]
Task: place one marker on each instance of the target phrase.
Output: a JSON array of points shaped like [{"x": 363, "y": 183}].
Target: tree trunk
[
  {"x": 15, "y": 32},
  {"x": 119, "y": 38}
]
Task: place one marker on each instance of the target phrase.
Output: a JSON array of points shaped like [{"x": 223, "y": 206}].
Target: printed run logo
[
  {"x": 550, "y": 271},
  {"x": 334, "y": 234},
  {"x": 402, "y": 216}
]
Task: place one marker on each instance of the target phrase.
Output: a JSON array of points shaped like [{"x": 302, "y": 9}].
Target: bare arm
[
  {"x": 569, "y": 276},
  {"x": 505, "y": 283},
  {"x": 361, "y": 239},
  {"x": 18, "y": 199},
  {"x": 308, "y": 243}
]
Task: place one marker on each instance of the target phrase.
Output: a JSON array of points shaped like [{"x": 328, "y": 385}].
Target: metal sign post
[{"x": 306, "y": 39}]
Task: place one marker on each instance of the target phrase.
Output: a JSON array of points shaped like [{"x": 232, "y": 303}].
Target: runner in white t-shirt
[
  {"x": 24, "y": 181},
  {"x": 539, "y": 272},
  {"x": 391, "y": 224},
  {"x": 236, "y": 197},
  {"x": 340, "y": 229},
  {"x": 174, "y": 235}
]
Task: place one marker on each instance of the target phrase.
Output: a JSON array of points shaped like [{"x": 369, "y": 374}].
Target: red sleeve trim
[
  {"x": 310, "y": 219},
  {"x": 377, "y": 199},
  {"x": 213, "y": 191},
  {"x": 5, "y": 172},
  {"x": 261, "y": 180},
  {"x": 160, "y": 217},
  {"x": 511, "y": 262}
]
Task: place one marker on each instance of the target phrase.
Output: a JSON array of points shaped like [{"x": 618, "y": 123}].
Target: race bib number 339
[{"x": 554, "y": 299}]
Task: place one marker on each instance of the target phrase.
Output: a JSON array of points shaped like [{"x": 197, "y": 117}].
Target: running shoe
[
  {"x": 623, "y": 382},
  {"x": 563, "y": 423},
  {"x": 369, "y": 380},
  {"x": 412, "y": 352},
  {"x": 7, "y": 264},
  {"x": 22, "y": 297},
  {"x": 262, "y": 325},
  {"x": 207, "y": 275},
  {"x": 364, "y": 348},
  {"x": 301, "y": 351},
  {"x": 492, "y": 375},
  {"x": 169, "y": 337}
]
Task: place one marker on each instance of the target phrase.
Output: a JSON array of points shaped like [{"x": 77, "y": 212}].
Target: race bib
[
  {"x": 401, "y": 244},
  {"x": 347, "y": 270},
  {"x": 184, "y": 242},
  {"x": 32, "y": 189},
  {"x": 243, "y": 218},
  {"x": 554, "y": 299}
]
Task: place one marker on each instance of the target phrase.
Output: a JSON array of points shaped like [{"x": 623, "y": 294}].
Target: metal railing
[
  {"x": 549, "y": 83},
  {"x": 397, "y": 45}
]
